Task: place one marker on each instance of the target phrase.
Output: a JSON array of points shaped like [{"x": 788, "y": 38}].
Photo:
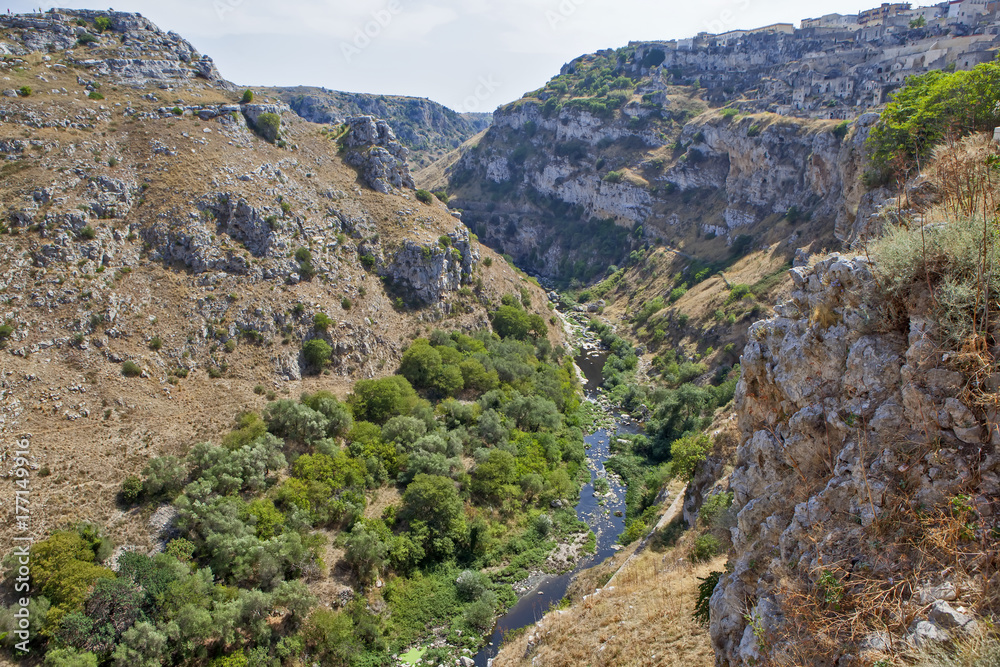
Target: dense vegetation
[
  {"x": 676, "y": 411},
  {"x": 477, "y": 433},
  {"x": 927, "y": 110}
]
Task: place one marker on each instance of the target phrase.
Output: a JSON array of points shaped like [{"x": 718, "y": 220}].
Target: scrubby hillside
[
  {"x": 429, "y": 130},
  {"x": 175, "y": 252}
]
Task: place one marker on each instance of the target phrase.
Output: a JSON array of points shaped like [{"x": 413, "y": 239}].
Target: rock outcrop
[
  {"x": 373, "y": 150},
  {"x": 429, "y": 271},
  {"x": 846, "y": 426},
  {"x": 144, "y": 54}
]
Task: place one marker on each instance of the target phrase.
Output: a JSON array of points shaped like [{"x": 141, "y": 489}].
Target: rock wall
[
  {"x": 373, "y": 150},
  {"x": 146, "y": 56},
  {"x": 429, "y": 271},
  {"x": 843, "y": 426}
]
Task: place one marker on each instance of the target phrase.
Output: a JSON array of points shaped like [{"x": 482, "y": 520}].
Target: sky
[{"x": 470, "y": 55}]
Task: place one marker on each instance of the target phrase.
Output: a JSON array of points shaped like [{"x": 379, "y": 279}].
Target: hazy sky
[{"x": 471, "y": 55}]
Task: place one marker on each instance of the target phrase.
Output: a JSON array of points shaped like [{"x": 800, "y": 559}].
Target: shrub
[
  {"x": 94, "y": 95},
  {"x": 130, "y": 369},
  {"x": 69, "y": 657},
  {"x": 268, "y": 126},
  {"x": 24, "y": 91},
  {"x": 131, "y": 489},
  {"x": 614, "y": 177},
  {"x": 177, "y": 111},
  {"x": 948, "y": 257},
  {"x": 841, "y": 129},
  {"x": 706, "y": 547},
  {"x": 85, "y": 38},
  {"x": 345, "y": 303},
  {"x": 442, "y": 195},
  {"x": 164, "y": 476},
  {"x": 317, "y": 352},
  {"x": 705, "y": 590},
  {"x": 102, "y": 23},
  {"x": 687, "y": 452},
  {"x": 247, "y": 97},
  {"x": 156, "y": 344},
  {"x": 471, "y": 585},
  {"x": 425, "y": 196},
  {"x": 753, "y": 131},
  {"x": 88, "y": 233},
  {"x": 322, "y": 321}
]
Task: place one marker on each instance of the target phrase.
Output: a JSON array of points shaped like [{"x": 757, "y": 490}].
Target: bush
[
  {"x": 102, "y": 23},
  {"x": 24, "y": 91},
  {"x": 687, "y": 452},
  {"x": 949, "y": 257},
  {"x": 247, "y": 97},
  {"x": 317, "y": 352},
  {"x": 345, "y": 303},
  {"x": 471, "y": 585},
  {"x": 69, "y": 657},
  {"x": 94, "y": 95},
  {"x": 268, "y": 126},
  {"x": 131, "y": 489},
  {"x": 88, "y": 233},
  {"x": 706, "y": 547},
  {"x": 321, "y": 321},
  {"x": 177, "y": 111},
  {"x": 130, "y": 369},
  {"x": 705, "y": 590},
  {"x": 425, "y": 196},
  {"x": 85, "y": 38},
  {"x": 614, "y": 177}
]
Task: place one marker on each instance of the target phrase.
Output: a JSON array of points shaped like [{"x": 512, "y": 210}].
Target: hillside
[
  {"x": 149, "y": 227},
  {"x": 429, "y": 130}
]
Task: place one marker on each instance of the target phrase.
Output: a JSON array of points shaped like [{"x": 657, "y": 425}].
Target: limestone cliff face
[
  {"x": 538, "y": 175},
  {"x": 848, "y": 430},
  {"x": 768, "y": 166},
  {"x": 429, "y": 271}
]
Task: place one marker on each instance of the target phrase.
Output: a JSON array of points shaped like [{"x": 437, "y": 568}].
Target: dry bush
[
  {"x": 867, "y": 585},
  {"x": 965, "y": 176}
]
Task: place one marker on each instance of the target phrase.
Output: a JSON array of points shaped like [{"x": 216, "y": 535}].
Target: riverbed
[{"x": 598, "y": 512}]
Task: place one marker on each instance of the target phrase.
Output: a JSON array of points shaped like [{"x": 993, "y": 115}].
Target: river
[{"x": 600, "y": 517}]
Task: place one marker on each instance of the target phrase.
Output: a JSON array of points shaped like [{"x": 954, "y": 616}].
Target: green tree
[
  {"x": 63, "y": 570},
  {"x": 366, "y": 552},
  {"x": 434, "y": 501},
  {"x": 268, "y": 126},
  {"x": 378, "y": 400},
  {"x": 687, "y": 452},
  {"x": 494, "y": 479},
  {"x": 512, "y": 322},
  {"x": 317, "y": 352},
  {"x": 421, "y": 363}
]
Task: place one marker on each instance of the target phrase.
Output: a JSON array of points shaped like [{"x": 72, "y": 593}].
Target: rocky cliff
[
  {"x": 552, "y": 188},
  {"x": 864, "y": 486},
  {"x": 429, "y": 130}
]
